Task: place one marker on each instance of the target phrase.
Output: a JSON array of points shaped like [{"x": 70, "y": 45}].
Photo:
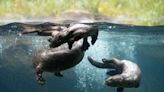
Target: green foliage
[{"x": 148, "y": 12}]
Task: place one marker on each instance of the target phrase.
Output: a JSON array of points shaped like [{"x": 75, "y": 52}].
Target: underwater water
[{"x": 142, "y": 45}]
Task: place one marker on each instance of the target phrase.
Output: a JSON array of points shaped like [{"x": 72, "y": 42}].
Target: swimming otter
[
  {"x": 43, "y": 29},
  {"x": 56, "y": 60},
  {"x": 74, "y": 33},
  {"x": 63, "y": 33},
  {"x": 124, "y": 73}
]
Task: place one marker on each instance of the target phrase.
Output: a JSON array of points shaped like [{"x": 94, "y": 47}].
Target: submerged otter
[
  {"x": 43, "y": 29},
  {"x": 124, "y": 73},
  {"x": 57, "y": 59},
  {"x": 63, "y": 33},
  {"x": 74, "y": 33}
]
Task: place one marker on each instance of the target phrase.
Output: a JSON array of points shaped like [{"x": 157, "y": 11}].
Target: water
[{"x": 142, "y": 45}]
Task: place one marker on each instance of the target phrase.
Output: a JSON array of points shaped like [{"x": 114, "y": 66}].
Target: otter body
[
  {"x": 43, "y": 29},
  {"x": 123, "y": 73},
  {"x": 130, "y": 76},
  {"x": 74, "y": 33},
  {"x": 57, "y": 59}
]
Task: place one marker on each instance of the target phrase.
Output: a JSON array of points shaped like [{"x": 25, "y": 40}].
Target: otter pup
[
  {"x": 74, "y": 33},
  {"x": 56, "y": 60},
  {"x": 124, "y": 73}
]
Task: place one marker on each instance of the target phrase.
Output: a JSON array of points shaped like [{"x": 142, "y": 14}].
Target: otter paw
[
  {"x": 85, "y": 46},
  {"x": 41, "y": 81},
  {"x": 70, "y": 43}
]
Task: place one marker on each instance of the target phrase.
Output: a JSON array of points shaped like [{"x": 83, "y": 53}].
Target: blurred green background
[{"x": 142, "y": 12}]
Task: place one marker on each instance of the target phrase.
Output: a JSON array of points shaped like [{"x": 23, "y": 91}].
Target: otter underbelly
[
  {"x": 130, "y": 79},
  {"x": 59, "y": 58},
  {"x": 63, "y": 61}
]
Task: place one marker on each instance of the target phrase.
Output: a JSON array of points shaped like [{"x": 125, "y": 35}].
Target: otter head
[
  {"x": 119, "y": 81},
  {"x": 115, "y": 81},
  {"x": 58, "y": 38}
]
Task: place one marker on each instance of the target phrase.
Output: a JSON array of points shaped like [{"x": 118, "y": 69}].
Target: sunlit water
[{"x": 146, "y": 49}]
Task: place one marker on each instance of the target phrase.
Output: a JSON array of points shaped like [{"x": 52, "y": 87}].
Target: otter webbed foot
[
  {"x": 85, "y": 45},
  {"x": 39, "y": 76},
  {"x": 70, "y": 43},
  {"x": 58, "y": 74},
  {"x": 94, "y": 38}
]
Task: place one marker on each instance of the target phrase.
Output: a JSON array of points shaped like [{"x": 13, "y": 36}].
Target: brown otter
[
  {"x": 57, "y": 59},
  {"x": 124, "y": 73},
  {"x": 43, "y": 29},
  {"x": 62, "y": 33},
  {"x": 74, "y": 33}
]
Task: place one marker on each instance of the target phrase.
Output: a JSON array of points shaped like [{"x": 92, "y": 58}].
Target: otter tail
[{"x": 96, "y": 63}]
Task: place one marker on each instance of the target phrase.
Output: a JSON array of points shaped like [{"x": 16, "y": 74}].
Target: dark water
[{"x": 142, "y": 45}]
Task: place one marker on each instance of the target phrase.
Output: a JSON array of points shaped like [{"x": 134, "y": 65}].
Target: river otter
[
  {"x": 63, "y": 33},
  {"x": 43, "y": 29},
  {"x": 124, "y": 73},
  {"x": 57, "y": 59},
  {"x": 74, "y": 33}
]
